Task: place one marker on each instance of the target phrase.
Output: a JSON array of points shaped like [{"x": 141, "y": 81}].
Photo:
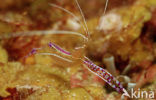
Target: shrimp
[{"x": 100, "y": 72}]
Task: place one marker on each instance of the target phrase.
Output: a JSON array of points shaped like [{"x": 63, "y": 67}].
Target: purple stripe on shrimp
[
  {"x": 105, "y": 75},
  {"x": 59, "y": 48}
]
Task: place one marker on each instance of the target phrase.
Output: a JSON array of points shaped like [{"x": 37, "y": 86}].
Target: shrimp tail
[{"x": 106, "y": 76}]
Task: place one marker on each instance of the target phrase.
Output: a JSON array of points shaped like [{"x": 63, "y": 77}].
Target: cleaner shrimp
[{"x": 100, "y": 72}]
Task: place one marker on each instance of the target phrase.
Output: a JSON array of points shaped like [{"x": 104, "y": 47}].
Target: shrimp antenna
[
  {"x": 106, "y": 5},
  {"x": 69, "y": 12},
  {"x": 42, "y": 32},
  {"x": 88, "y": 34},
  {"x": 60, "y": 57}
]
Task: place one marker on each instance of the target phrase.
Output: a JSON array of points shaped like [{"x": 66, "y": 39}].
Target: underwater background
[{"x": 117, "y": 35}]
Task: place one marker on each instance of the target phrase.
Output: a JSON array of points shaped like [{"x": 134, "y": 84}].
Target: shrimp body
[{"x": 103, "y": 74}]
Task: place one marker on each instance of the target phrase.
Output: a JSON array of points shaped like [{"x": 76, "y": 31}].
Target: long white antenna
[
  {"x": 51, "y": 54},
  {"x": 41, "y": 32},
  {"x": 88, "y": 34},
  {"x": 106, "y": 5},
  {"x": 69, "y": 12}
]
